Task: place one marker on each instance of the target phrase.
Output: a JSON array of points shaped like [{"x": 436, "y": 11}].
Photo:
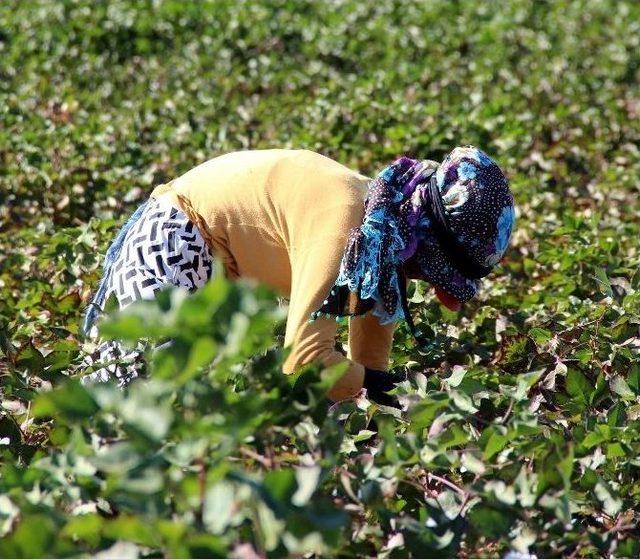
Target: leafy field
[{"x": 522, "y": 429}]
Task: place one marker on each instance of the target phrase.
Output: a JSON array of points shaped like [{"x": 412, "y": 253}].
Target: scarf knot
[{"x": 368, "y": 277}]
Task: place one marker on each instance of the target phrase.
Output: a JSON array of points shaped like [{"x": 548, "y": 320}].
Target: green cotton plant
[
  {"x": 521, "y": 429},
  {"x": 162, "y": 460}
]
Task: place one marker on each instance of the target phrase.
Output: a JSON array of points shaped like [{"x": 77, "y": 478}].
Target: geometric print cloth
[{"x": 162, "y": 247}]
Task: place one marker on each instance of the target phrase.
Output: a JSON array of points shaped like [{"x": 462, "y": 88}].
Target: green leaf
[
  {"x": 86, "y": 528},
  {"x": 281, "y": 486},
  {"x": 425, "y": 411},
  {"x": 219, "y": 507},
  {"x": 33, "y": 538},
  {"x": 132, "y": 529},
  {"x": 565, "y": 467},
  {"x": 456, "y": 377},
  {"x": 30, "y": 358},
  {"x": 578, "y": 386},
  {"x": 490, "y": 521},
  {"x": 603, "y": 282},
  {"x": 71, "y": 401},
  {"x": 202, "y": 353},
  {"x": 619, "y": 386},
  {"x": 611, "y": 503},
  {"x": 540, "y": 335},
  {"x": 473, "y": 464},
  {"x": 495, "y": 443}
]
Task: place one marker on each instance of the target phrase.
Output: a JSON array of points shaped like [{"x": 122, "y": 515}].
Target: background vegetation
[{"x": 522, "y": 428}]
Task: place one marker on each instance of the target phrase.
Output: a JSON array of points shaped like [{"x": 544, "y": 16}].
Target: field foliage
[{"x": 521, "y": 430}]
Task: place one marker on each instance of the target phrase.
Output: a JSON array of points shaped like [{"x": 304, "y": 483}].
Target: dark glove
[{"x": 378, "y": 383}]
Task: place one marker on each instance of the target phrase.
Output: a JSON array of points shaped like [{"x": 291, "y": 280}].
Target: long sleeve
[
  {"x": 370, "y": 342},
  {"x": 313, "y": 272}
]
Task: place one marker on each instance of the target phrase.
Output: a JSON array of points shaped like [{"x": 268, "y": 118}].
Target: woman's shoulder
[
  {"x": 314, "y": 160},
  {"x": 286, "y": 157},
  {"x": 289, "y": 181},
  {"x": 287, "y": 174},
  {"x": 305, "y": 162}
]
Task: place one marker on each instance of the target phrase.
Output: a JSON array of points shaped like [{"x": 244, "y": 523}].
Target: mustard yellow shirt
[{"x": 283, "y": 218}]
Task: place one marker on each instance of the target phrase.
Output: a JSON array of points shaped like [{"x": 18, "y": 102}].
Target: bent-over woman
[{"x": 335, "y": 243}]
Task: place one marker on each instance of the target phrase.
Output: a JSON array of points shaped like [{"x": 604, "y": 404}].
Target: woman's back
[{"x": 262, "y": 209}]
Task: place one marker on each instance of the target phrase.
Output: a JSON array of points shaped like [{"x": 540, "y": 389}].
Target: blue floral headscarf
[{"x": 402, "y": 229}]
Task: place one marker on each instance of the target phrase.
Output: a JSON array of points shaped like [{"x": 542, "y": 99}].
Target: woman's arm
[
  {"x": 370, "y": 342},
  {"x": 313, "y": 272}
]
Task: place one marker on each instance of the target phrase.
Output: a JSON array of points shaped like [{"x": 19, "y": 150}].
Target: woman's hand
[{"x": 378, "y": 383}]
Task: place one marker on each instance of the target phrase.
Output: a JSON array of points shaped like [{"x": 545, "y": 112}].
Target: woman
[{"x": 334, "y": 242}]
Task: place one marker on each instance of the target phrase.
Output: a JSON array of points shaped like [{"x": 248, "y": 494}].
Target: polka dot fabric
[
  {"x": 481, "y": 214},
  {"x": 397, "y": 229}
]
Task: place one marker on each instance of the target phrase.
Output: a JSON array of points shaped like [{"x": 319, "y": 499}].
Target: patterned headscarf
[{"x": 450, "y": 223}]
